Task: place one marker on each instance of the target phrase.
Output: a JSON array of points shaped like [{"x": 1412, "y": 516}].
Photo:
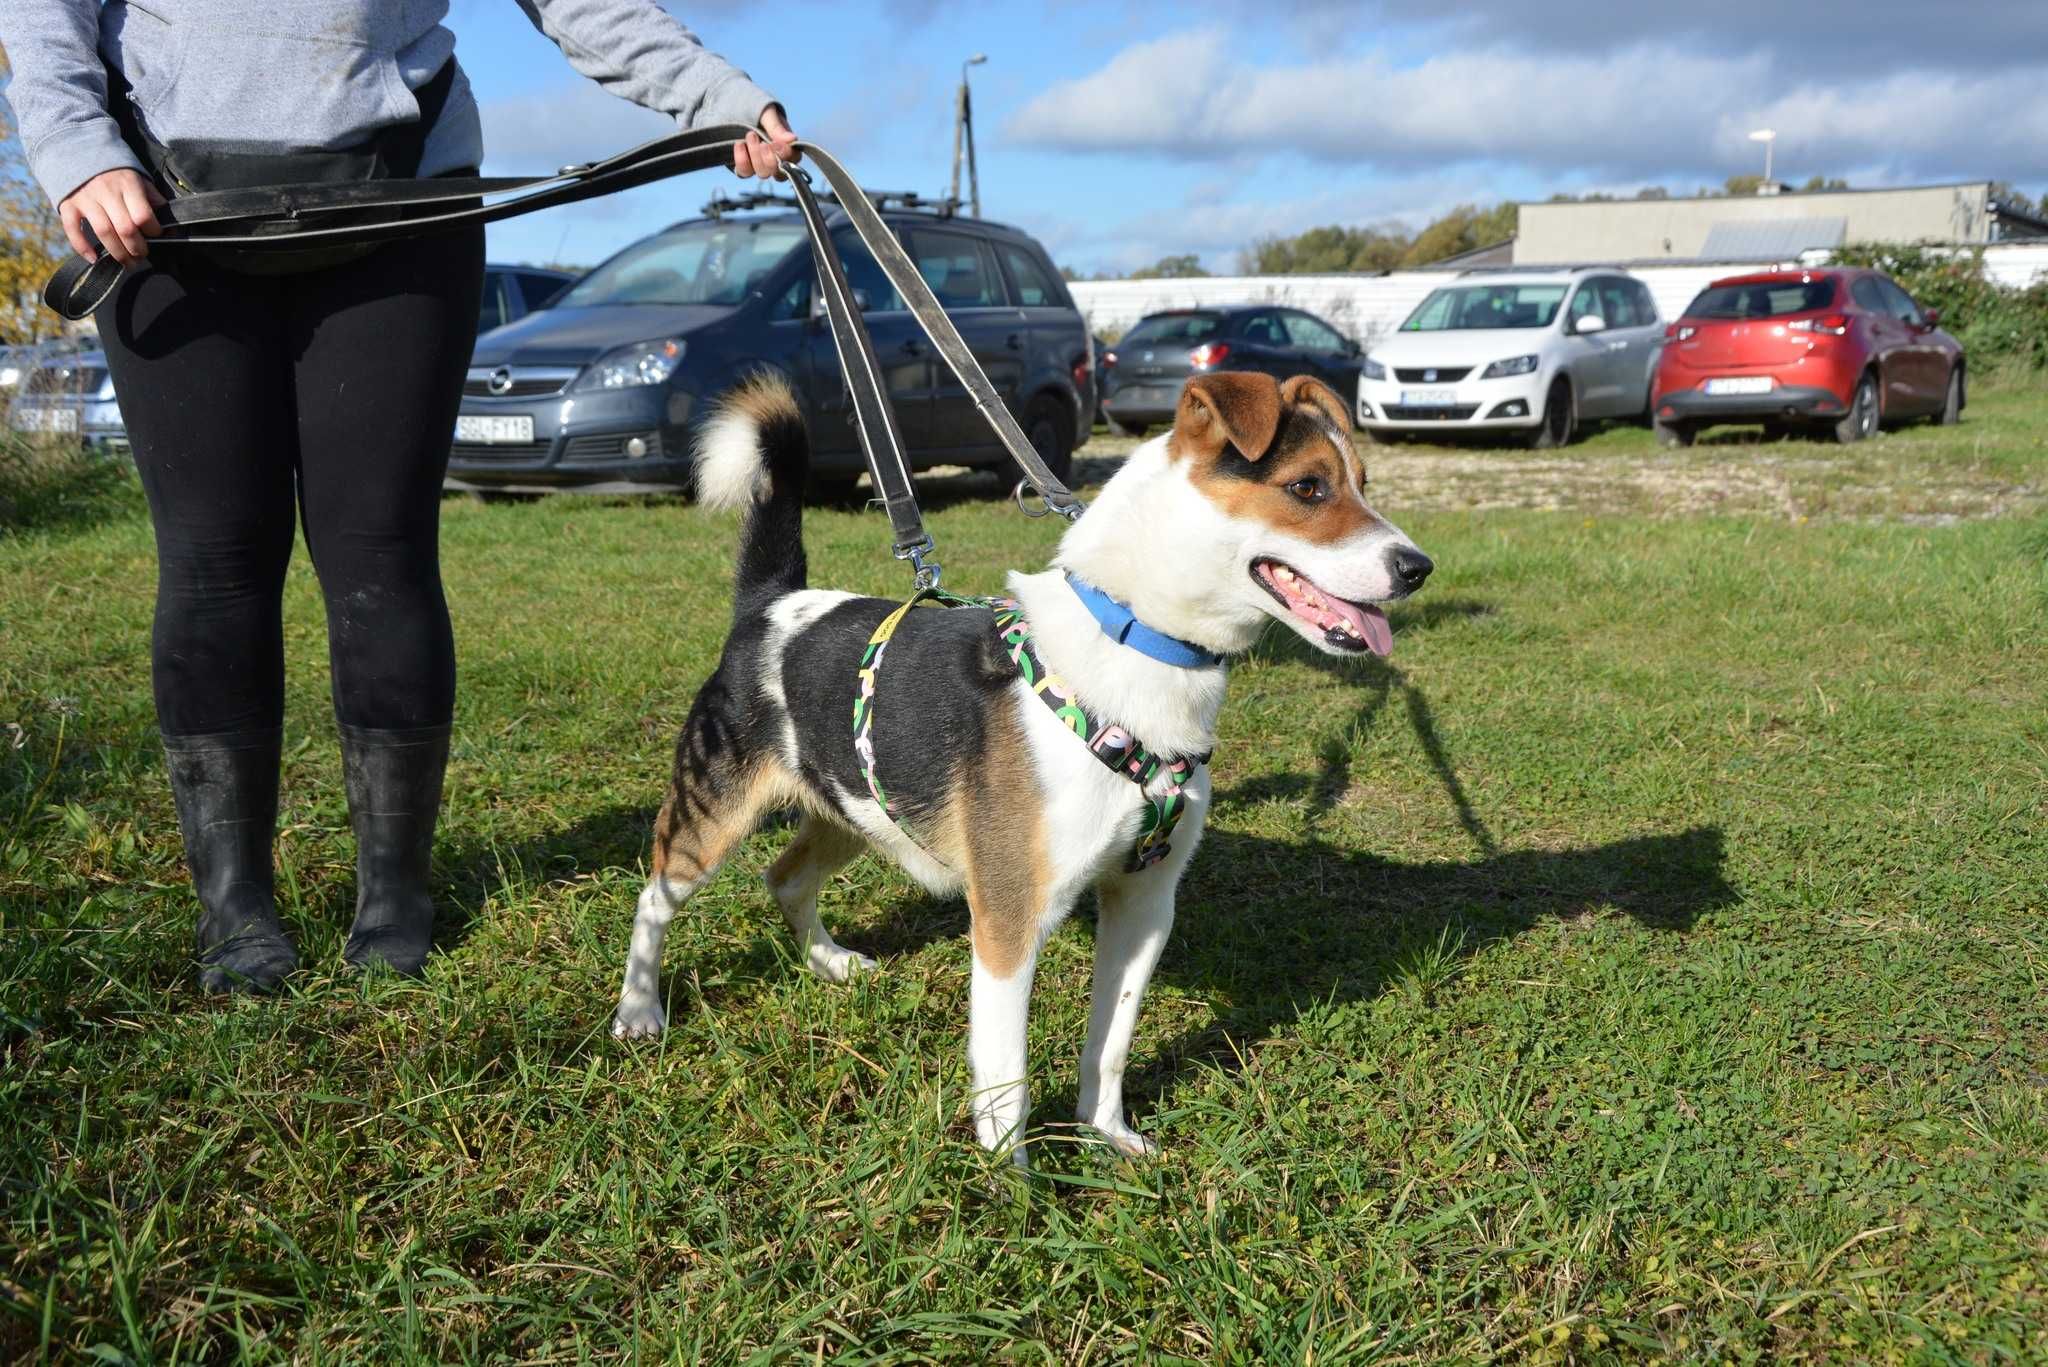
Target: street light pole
[
  {"x": 963, "y": 135},
  {"x": 1768, "y": 137}
]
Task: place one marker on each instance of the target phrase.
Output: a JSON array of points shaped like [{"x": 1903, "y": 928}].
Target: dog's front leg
[
  {"x": 1135, "y": 917},
  {"x": 998, "y": 1010}
]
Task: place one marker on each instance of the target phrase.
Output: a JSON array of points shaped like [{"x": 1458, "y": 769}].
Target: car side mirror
[
  {"x": 1931, "y": 319},
  {"x": 1589, "y": 324},
  {"x": 860, "y": 302}
]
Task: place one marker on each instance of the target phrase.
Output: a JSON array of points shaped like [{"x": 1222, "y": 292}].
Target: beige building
[{"x": 1774, "y": 227}]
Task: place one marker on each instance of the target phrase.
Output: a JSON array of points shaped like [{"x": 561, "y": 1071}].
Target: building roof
[{"x": 1772, "y": 239}]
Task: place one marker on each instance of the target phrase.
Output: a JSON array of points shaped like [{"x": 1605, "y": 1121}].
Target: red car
[{"x": 1840, "y": 351}]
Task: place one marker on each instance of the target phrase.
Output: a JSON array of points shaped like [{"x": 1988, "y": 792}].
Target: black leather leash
[{"x": 295, "y": 217}]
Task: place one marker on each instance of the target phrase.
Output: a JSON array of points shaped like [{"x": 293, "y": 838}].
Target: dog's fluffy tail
[{"x": 755, "y": 455}]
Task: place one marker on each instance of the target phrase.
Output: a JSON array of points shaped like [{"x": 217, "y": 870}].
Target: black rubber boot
[
  {"x": 226, "y": 791},
  {"x": 394, "y": 796}
]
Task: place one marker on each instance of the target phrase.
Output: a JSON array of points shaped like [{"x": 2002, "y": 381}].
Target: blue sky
[{"x": 1121, "y": 132}]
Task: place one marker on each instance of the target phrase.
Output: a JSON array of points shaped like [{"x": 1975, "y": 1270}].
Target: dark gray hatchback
[
  {"x": 603, "y": 391},
  {"x": 1142, "y": 375}
]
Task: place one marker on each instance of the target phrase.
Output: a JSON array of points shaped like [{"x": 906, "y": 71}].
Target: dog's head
[{"x": 1283, "y": 512}]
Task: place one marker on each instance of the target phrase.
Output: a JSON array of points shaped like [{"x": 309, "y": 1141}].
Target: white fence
[{"x": 1368, "y": 307}]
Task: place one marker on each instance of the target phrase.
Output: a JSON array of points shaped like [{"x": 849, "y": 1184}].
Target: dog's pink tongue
[{"x": 1370, "y": 623}]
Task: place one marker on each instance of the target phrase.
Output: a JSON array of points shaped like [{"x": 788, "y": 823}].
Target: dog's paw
[
  {"x": 639, "y": 1018},
  {"x": 837, "y": 965},
  {"x": 1126, "y": 1140}
]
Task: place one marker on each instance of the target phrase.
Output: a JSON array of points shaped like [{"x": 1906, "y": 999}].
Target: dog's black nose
[{"x": 1411, "y": 567}]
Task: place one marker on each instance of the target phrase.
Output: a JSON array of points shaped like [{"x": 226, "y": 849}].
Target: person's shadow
[{"x": 1267, "y": 925}]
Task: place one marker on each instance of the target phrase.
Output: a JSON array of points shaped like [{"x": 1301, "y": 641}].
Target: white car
[{"x": 1524, "y": 352}]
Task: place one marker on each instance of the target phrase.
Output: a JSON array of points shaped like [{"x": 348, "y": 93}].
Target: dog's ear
[
  {"x": 1231, "y": 407},
  {"x": 1309, "y": 390}
]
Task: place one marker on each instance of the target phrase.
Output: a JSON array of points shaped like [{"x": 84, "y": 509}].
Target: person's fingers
[
  {"x": 103, "y": 229},
  {"x": 140, "y": 212},
  {"x": 133, "y": 245},
  {"x": 761, "y": 156},
  {"x": 73, "y": 217},
  {"x": 742, "y": 164},
  {"x": 779, "y": 133}
]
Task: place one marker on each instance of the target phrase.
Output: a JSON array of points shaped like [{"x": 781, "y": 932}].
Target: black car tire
[
  {"x": 1862, "y": 418},
  {"x": 1559, "y": 422},
  {"x": 1048, "y": 429},
  {"x": 1952, "y": 406},
  {"x": 1674, "y": 433}
]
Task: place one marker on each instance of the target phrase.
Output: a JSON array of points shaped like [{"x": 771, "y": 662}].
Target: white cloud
[{"x": 1649, "y": 111}]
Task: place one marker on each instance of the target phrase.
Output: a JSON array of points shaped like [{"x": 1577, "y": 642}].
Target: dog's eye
[{"x": 1309, "y": 490}]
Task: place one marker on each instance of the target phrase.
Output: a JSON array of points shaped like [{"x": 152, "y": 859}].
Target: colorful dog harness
[{"x": 1115, "y": 747}]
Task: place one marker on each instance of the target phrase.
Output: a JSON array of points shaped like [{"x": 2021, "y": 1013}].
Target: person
[{"x": 317, "y": 391}]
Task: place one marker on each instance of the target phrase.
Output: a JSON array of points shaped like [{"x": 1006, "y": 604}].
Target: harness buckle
[{"x": 926, "y": 569}]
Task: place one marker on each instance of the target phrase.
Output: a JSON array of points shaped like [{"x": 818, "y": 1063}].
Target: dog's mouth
[{"x": 1345, "y": 625}]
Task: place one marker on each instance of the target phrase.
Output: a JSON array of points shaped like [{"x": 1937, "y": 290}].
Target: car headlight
[
  {"x": 630, "y": 366},
  {"x": 1371, "y": 369},
  {"x": 1513, "y": 365}
]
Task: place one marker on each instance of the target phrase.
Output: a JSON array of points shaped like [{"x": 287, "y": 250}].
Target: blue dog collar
[{"x": 1121, "y": 625}]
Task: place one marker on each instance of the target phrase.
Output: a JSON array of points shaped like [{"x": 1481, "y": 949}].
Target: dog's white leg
[
  {"x": 640, "y": 1015},
  {"x": 1135, "y": 918},
  {"x": 999, "y": 1008},
  {"x": 820, "y": 847}
]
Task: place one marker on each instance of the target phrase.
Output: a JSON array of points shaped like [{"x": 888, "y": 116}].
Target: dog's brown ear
[
  {"x": 1308, "y": 389},
  {"x": 1233, "y": 407}
]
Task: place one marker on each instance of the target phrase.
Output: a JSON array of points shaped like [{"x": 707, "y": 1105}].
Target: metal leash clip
[{"x": 923, "y": 563}]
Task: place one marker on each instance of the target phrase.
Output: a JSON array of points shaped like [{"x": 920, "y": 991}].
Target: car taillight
[
  {"x": 1209, "y": 354},
  {"x": 1678, "y": 332},
  {"x": 1109, "y": 360},
  {"x": 1834, "y": 324}
]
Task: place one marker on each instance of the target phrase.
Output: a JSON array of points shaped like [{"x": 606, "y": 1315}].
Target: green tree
[
  {"x": 1741, "y": 185},
  {"x": 30, "y": 240},
  {"x": 1185, "y": 267},
  {"x": 1825, "y": 183},
  {"x": 1329, "y": 249}
]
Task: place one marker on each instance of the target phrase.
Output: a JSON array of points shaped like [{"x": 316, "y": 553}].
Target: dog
[{"x": 1023, "y": 750}]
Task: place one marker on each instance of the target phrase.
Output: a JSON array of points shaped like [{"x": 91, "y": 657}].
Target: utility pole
[{"x": 963, "y": 136}]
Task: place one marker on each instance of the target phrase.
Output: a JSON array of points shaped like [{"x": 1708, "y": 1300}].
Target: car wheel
[
  {"x": 1046, "y": 426},
  {"x": 1861, "y": 419},
  {"x": 1559, "y": 421},
  {"x": 1126, "y": 429},
  {"x": 1952, "y": 407},
  {"x": 1674, "y": 433}
]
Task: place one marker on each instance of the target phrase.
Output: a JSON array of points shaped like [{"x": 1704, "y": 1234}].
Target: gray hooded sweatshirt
[{"x": 315, "y": 75}]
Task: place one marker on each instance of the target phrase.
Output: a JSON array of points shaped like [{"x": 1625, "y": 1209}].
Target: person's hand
[
  {"x": 121, "y": 207},
  {"x": 763, "y": 156}
]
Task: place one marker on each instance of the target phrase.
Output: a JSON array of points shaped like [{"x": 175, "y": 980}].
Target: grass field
[{"x": 1647, "y": 961}]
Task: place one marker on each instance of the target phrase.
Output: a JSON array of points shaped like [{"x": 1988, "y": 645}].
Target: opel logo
[
  {"x": 500, "y": 381},
  {"x": 1428, "y": 377}
]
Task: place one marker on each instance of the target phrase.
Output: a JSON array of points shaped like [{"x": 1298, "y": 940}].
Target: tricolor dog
[{"x": 1021, "y": 750}]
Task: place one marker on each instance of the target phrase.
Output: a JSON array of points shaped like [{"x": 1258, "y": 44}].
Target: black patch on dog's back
[{"x": 942, "y": 677}]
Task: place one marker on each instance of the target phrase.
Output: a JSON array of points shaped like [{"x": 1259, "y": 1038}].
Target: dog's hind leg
[
  {"x": 820, "y": 848},
  {"x": 714, "y": 802}
]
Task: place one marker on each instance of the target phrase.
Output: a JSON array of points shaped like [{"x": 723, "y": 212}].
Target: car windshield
[
  {"x": 1466, "y": 308},
  {"x": 1762, "y": 299},
  {"x": 711, "y": 261},
  {"x": 1173, "y": 329}
]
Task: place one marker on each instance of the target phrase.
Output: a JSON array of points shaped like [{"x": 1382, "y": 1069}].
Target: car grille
[
  {"x": 521, "y": 389},
  {"x": 1435, "y": 376},
  {"x": 610, "y": 447},
  {"x": 499, "y": 452},
  {"x": 525, "y": 381},
  {"x": 52, "y": 379},
  {"x": 1409, "y": 413}
]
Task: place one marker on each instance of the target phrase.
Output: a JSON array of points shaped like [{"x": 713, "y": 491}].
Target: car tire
[
  {"x": 1049, "y": 431},
  {"x": 1862, "y": 418},
  {"x": 1559, "y": 422},
  {"x": 1674, "y": 433},
  {"x": 1952, "y": 406}
]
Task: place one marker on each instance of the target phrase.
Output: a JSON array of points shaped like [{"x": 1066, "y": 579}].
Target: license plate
[
  {"x": 31, "y": 419},
  {"x": 1741, "y": 384},
  {"x": 1429, "y": 398},
  {"x": 493, "y": 430}
]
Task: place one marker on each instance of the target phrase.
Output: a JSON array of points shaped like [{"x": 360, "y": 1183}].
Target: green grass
[{"x": 1649, "y": 960}]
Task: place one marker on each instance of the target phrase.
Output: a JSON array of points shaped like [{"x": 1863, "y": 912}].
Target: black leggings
[{"x": 254, "y": 400}]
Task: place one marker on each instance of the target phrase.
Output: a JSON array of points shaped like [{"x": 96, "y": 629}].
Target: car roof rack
[
  {"x": 1559, "y": 269},
  {"x": 722, "y": 204}
]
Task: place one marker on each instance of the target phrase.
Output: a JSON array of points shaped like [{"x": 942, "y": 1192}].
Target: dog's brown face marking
[{"x": 1275, "y": 453}]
